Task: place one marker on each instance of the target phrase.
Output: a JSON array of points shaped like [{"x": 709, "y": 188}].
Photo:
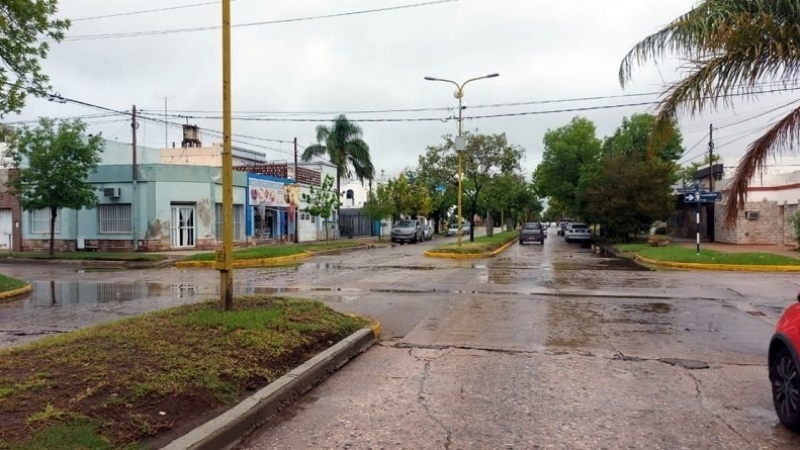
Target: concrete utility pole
[
  {"x": 134, "y": 178},
  {"x": 296, "y": 209},
  {"x": 710, "y": 222},
  {"x": 225, "y": 256},
  {"x": 711, "y": 157}
]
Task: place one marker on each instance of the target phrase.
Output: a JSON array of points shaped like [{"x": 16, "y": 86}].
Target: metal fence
[{"x": 353, "y": 223}]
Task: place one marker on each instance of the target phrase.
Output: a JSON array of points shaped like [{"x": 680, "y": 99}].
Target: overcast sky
[{"x": 543, "y": 50}]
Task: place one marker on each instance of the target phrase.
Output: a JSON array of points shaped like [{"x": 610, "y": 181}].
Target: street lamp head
[
  {"x": 431, "y": 79},
  {"x": 492, "y": 75}
]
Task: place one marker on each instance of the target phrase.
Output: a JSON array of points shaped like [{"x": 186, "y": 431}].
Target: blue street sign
[
  {"x": 440, "y": 188},
  {"x": 704, "y": 197}
]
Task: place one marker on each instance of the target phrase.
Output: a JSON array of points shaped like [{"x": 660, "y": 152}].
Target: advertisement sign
[{"x": 265, "y": 193}]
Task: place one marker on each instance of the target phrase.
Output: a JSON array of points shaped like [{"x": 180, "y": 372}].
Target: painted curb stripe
[
  {"x": 16, "y": 292},
  {"x": 245, "y": 263},
  {"x": 726, "y": 267},
  {"x": 505, "y": 246}
]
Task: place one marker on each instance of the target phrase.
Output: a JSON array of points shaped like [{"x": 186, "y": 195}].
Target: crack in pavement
[
  {"x": 422, "y": 400},
  {"x": 618, "y": 356},
  {"x": 699, "y": 397}
]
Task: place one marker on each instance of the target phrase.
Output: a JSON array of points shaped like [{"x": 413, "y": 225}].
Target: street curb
[
  {"x": 722, "y": 267},
  {"x": 231, "y": 427},
  {"x": 246, "y": 263},
  {"x": 92, "y": 263},
  {"x": 432, "y": 254},
  {"x": 8, "y": 295}
]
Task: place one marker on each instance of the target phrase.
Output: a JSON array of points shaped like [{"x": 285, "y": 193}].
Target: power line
[
  {"x": 90, "y": 37},
  {"x": 145, "y": 11}
]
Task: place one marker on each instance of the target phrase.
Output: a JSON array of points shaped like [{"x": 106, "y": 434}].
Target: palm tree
[
  {"x": 730, "y": 48},
  {"x": 346, "y": 150}
]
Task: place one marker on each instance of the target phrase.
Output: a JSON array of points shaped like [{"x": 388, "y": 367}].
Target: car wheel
[
  {"x": 786, "y": 389},
  {"x": 566, "y": 240}
]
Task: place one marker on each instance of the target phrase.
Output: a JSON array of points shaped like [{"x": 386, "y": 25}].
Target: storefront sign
[{"x": 265, "y": 193}]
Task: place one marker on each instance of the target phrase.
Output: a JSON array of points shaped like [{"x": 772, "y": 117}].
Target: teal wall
[{"x": 158, "y": 187}]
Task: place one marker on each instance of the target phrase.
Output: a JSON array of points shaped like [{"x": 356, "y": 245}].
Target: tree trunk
[
  {"x": 53, "y": 214},
  {"x": 489, "y": 224},
  {"x": 326, "y": 230}
]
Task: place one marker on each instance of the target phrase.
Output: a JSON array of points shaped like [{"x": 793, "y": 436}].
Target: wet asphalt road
[{"x": 542, "y": 347}]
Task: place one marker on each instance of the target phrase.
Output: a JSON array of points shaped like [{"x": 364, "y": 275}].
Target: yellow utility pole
[
  {"x": 225, "y": 257},
  {"x": 460, "y": 144}
]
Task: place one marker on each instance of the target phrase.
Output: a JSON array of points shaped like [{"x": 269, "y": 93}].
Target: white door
[
  {"x": 182, "y": 226},
  {"x": 6, "y": 229}
]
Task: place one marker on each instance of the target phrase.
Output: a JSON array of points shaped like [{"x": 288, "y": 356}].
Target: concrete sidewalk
[{"x": 783, "y": 250}]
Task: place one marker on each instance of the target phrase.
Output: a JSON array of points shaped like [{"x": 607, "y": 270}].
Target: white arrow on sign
[{"x": 689, "y": 198}]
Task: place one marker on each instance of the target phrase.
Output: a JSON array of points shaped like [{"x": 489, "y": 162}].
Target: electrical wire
[
  {"x": 90, "y": 37},
  {"x": 145, "y": 11}
]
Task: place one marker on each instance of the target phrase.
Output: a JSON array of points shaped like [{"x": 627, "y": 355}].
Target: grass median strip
[
  {"x": 689, "y": 255},
  {"x": 141, "y": 382},
  {"x": 9, "y": 284},
  {"x": 483, "y": 244},
  {"x": 277, "y": 251},
  {"x": 86, "y": 256}
]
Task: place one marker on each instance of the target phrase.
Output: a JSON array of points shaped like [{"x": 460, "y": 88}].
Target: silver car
[
  {"x": 407, "y": 230},
  {"x": 578, "y": 232}
]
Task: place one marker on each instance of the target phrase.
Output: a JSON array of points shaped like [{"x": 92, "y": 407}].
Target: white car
[
  {"x": 578, "y": 232},
  {"x": 452, "y": 229}
]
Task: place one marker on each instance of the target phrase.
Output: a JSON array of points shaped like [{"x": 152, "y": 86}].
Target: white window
[
  {"x": 40, "y": 221},
  {"x": 114, "y": 219},
  {"x": 238, "y": 216}
]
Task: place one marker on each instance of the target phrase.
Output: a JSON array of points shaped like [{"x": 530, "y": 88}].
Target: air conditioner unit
[
  {"x": 111, "y": 192},
  {"x": 751, "y": 215}
]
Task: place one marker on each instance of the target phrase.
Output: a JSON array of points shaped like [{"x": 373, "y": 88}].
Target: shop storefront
[{"x": 271, "y": 206}]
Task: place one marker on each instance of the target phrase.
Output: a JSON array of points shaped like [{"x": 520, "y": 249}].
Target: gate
[{"x": 353, "y": 223}]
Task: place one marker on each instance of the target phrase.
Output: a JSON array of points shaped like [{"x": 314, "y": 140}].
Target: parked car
[
  {"x": 452, "y": 229},
  {"x": 407, "y": 230},
  {"x": 531, "y": 232},
  {"x": 784, "y": 367},
  {"x": 578, "y": 232},
  {"x": 562, "y": 226},
  {"x": 427, "y": 232}
]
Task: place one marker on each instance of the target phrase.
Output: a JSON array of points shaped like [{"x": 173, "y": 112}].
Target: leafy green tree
[
  {"x": 323, "y": 201},
  {"x": 632, "y": 138},
  {"x": 26, "y": 26},
  {"x": 730, "y": 47},
  {"x": 567, "y": 151},
  {"x": 54, "y": 162},
  {"x": 510, "y": 197},
  {"x": 484, "y": 156},
  {"x": 379, "y": 205},
  {"x": 343, "y": 145},
  {"x": 625, "y": 195}
]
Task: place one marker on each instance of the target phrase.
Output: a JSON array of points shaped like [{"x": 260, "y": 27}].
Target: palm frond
[
  {"x": 783, "y": 136},
  {"x": 312, "y": 151},
  {"x": 322, "y": 133},
  {"x": 358, "y": 156}
]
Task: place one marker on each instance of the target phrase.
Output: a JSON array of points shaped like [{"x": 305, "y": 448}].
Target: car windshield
[
  {"x": 404, "y": 223},
  {"x": 532, "y": 226}
]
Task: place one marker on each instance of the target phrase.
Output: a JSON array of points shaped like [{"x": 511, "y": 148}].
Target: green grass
[
  {"x": 9, "y": 284},
  {"x": 87, "y": 256},
  {"x": 103, "y": 387},
  {"x": 481, "y": 245},
  {"x": 275, "y": 251},
  {"x": 689, "y": 255}
]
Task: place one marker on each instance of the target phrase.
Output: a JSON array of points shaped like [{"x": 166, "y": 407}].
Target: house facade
[{"x": 166, "y": 203}]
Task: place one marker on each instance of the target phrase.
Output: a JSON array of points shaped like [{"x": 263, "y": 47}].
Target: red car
[{"x": 784, "y": 367}]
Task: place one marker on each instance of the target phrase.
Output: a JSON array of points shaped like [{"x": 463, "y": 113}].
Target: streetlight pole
[{"x": 460, "y": 144}]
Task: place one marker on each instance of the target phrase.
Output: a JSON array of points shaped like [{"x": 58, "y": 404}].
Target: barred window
[
  {"x": 238, "y": 218},
  {"x": 114, "y": 218},
  {"x": 40, "y": 221}
]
